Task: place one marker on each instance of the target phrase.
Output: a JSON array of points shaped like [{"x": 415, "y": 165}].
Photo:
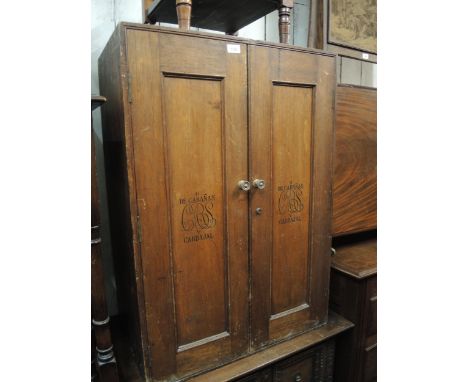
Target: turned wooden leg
[
  {"x": 184, "y": 11},
  {"x": 93, "y": 357},
  {"x": 284, "y": 21},
  {"x": 106, "y": 363},
  {"x": 105, "y": 360}
]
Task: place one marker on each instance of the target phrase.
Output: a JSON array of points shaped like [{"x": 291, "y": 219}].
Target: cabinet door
[
  {"x": 290, "y": 147},
  {"x": 189, "y": 124}
]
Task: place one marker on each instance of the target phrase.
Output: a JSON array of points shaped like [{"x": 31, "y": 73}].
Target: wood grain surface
[
  {"x": 356, "y": 259},
  {"x": 355, "y": 160}
]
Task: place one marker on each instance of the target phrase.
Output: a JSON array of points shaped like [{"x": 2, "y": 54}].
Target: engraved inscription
[
  {"x": 197, "y": 215},
  {"x": 290, "y": 202}
]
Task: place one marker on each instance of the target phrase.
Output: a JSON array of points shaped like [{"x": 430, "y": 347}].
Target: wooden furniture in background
[
  {"x": 355, "y": 160},
  {"x": 210, "y": 192},
  {"x": 284, "y": 21},
  {"x": 103, "y": 350},
  {"x": 353, "y": 283},
  {"x": 220, "y": 15},
  {"x": 353, "y": 294}
]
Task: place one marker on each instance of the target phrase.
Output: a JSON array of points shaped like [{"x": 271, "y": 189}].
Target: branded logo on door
[
  {"x": 290, "y": 202},
  {"x": 198, "y": 216}
]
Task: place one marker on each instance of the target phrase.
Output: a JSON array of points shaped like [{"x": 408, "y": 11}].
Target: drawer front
[
  {"x": 299, "y": 371},
  {"x": 370, "y": 364},
  {"x": 315, "y": 365},
  {"x": 261, "y": 376}
]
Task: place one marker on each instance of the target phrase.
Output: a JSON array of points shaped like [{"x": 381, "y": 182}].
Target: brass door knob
[
  {"x": 259, "y": 183},
  {"x": 244, "y": 185}
]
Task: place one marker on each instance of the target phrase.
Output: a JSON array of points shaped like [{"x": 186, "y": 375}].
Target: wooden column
[
  {"x": 93, "y": 356},
  {"x": 184, "y": 11},
  {"x": 316, "y": 25},
  {"x": 146, "y": 4},
  {"x": 105, "y": 360},
  {"x": 284, "y": 20}
]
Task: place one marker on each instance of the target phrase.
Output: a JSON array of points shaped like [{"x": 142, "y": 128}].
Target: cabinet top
[
  {"x": 357, "y": 259},
  {"x": 215, "y": 36}
]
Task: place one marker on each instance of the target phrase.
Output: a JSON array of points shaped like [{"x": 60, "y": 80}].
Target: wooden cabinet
[
  {"x": 210, "y": 271},
  {"x": 353, "y": 294}
]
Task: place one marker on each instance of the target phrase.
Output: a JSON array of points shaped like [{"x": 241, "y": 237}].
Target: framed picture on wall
[{"x": 353, "y": 24}]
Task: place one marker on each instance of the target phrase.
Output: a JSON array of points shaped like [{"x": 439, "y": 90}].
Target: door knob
[
  {"x": 244, "y": 185},
  {"x": 259, "y": 183}
]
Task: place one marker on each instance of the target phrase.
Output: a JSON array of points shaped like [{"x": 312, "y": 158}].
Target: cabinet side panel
[
  {"x": 153, "y": 211},
  {"x": 116, "y": 162}
]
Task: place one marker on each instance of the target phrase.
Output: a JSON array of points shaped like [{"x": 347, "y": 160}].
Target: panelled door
[
  {"x": 189, "y": 122},
  {"x": 291, "y": 104}
]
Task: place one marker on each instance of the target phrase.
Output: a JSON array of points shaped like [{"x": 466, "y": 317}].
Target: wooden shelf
[
  {"x": 219, "y": 15},
  {"x": 356, "y": 259}
]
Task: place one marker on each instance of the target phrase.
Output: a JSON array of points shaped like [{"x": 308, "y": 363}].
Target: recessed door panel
[
  {"x": 195, "y": 157},
  {"x": 291, "y": 146}
]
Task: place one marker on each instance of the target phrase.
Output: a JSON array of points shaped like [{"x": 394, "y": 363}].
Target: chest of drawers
[{"x": 353, "y": 294}]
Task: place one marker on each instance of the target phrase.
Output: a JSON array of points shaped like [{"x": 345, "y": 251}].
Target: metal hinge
[{"x": 129, "y": 83}]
